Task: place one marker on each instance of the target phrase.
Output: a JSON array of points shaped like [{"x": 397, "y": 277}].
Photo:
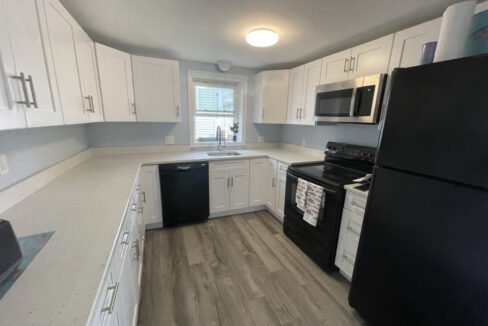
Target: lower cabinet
[
  {"x": 229, "y": 185},
  {"x": 150, "y": 196},
  {"x": 117, "y": 301},
  {"x": 350, "y": 232}
]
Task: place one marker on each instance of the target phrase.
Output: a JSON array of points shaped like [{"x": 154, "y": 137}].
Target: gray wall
[
  {"x": 32, "y": 150},
  {"x": 149, "y": 134},
  {"x": 317, "y": 136}
]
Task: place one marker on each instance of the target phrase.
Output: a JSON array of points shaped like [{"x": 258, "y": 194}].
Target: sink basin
[{"x": 223, "y": 153}]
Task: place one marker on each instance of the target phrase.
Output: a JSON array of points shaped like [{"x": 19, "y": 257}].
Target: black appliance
[
  {"x": 423, "y": 254},
  {"x": 352, "y": 101},
  {"x": 343, "y": 163},
  {"x": 10, "y": 254},
  {"x": 184, "y": 193}
]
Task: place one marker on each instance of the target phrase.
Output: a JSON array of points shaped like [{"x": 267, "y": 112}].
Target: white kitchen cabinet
[
  {"x": 239, "y": 189},
  {"x": 34, "y": 83},
  {"x": 310, "y": 83},
  {"x": 271, "y": 96},
  {"x": 335, "y": 67},
  {"x": 61, "y": 30},
  {"x": 12, "y": 115},
  {"x": 270, "y": 182},
  {"x": 366, "y": 59},
  {"x": 219, "y": 183},
  {"x": 156, "y": 89},
  {"x": 371, "y": 58},
  {"x": 115, "y": 73},
  {"x": 151, "y": 196},
  {"x": 228, "y": 185},
  {"x": 295, "y": 94},
  {"x": 87, "y": 66},
  {"x": 281, "y": 189},
  {"x": 408, "y": 44},
  {"x": 258, "y": 187}
]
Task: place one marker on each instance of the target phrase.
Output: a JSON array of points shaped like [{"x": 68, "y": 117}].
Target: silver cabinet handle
[
  {"x": 92, "y": 105},
  {"x": 134, "y": 110},
  {"x": 296, "y": 115},
  {"x": 301, "y": 113},
  {"x": 345, "y": 65},
  {"x": 143, "y": 194},
  {"x": 135, "y": 245},
  {"x": 125, "y": 238},
  {"x": 346, "y": 258},
  {"x": 26, "y": 101},
  {"x": 273, "y": 182},
  {"x": 33, "y": 91},
  {"x": 228, "y": 182},
  {"x": 350, "y": 229},
  {"x": 177, "y": 110},
  {"x": 232, "y": 181},
  {"x": 115, "y": 290},
  {"x": 352, "y": 63},
  {"x": 133, "y": 207}
]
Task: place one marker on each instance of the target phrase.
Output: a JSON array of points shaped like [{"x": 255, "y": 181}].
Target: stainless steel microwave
[{"x": 352, "y": 101}]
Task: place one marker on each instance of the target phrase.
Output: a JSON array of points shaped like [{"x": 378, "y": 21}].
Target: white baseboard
[
  {"x": 238, "y": 211},
  {"x": 152, "y": 226},
  {"x": 19, "y": 191}
]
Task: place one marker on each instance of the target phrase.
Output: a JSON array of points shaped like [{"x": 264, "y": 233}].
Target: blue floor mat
[{"x": 30, "y": 246}]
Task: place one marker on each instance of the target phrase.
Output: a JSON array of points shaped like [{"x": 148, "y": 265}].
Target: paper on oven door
[
  {"x": 313, "y": 204},
  {"x": 301, "y": 194}
]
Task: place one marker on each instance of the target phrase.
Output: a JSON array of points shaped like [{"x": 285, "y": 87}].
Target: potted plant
[{"x": 235, "y": 129}]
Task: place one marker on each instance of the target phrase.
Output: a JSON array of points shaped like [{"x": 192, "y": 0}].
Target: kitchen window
[{"x": 216, "y": 100}]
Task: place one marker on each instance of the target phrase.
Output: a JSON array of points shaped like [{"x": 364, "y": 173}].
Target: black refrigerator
[{"x": 423, "y": 254}]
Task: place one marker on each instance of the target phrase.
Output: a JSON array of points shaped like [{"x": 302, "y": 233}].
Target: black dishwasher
[{"x": 184, "y": 193}]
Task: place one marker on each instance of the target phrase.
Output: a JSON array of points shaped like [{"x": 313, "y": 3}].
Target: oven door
[
  {"x": 318, "y": 242},
  {"x": 353, "y": 101}
]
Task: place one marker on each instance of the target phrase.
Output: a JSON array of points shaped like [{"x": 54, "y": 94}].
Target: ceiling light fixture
[{"x": 262, "y": 37}]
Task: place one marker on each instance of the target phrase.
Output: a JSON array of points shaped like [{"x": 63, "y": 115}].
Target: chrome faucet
[{"x": 219, "y": 138}]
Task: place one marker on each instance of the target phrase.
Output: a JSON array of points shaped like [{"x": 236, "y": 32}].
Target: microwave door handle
[{"x": 353, "y": 102}]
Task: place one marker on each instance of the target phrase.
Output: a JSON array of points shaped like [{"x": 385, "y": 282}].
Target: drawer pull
[
  {"x": 352, "y": 230},
  {"x": 125, "y": 238},
  {"x": 115, "y": 290},
  {"x": 347, "y": 259},
  {"x": 133, "y": 207},
  {"x": 355, "y": 204}
]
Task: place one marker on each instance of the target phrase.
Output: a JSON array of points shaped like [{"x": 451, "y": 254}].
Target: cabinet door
[
  {"x": 239, "y": 189},
  {"x": 33, "y": 59},
  {"x": 275, "y": 96},
  {"x": 60, "y": 27},
  {"x": 115, "y": 72},
  {"x": 408, "y": 44},
  {"x": 87, "y": 66},
  {"x": 151, "y": 196},
  {"x": 12, "y": 115},
  {"x": 258, "y": 98},
  {"x": 258, "y": 186},
  {"x": 281, "y": 189},
  {"x": 156, "y": 89},
  {"x": 295, "y": 93},
  {"x": 219, "y": 184},
  {"x": 312, "y": 80},
  {"x": 272, "y": 166},
  {"x": 335, "y": 67},
  {"x": 372, "y": 57}
]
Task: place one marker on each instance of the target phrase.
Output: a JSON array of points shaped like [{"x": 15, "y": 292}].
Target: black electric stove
[{"x": 343, "y": 164}]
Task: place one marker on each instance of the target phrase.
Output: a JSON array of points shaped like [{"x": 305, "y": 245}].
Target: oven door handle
[{"x": 329, "y": 190}]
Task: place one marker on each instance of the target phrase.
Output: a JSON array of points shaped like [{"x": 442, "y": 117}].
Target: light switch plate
[
  {"x": 4, "y": 169},
  {"x": 169, "y": 140},
  {"x": 260, "y": 139}
]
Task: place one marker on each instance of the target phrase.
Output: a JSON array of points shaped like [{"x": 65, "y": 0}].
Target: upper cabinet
[
  {"x": 87, "y": 66},
  {"x": 61, "y": 29},
  {"x": 408, "y": 44},
  {"x": 301, "y": 93},
  {"x": 115, "y": 71},
  {"x": 32, "y": 80},
  {"x": 156, "y": 89},
  {"x": 271, "y": 96},
  {"x": 366, "y": 59}
]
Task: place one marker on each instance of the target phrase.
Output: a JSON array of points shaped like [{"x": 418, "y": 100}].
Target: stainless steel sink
[{"x": 223, "y": 153}]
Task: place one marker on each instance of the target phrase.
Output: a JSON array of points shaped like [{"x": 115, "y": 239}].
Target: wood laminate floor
[{"x": 239, "y": 270}]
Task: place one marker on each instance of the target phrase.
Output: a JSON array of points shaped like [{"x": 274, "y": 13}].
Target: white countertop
[
  {"x": 84, "y": 207},
  {"x": 352, "y": 188}
]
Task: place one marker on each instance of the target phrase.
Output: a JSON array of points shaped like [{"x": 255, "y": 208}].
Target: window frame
[{"x": 196, "y": 78}]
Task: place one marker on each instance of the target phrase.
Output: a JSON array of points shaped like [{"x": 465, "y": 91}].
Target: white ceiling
[{"x": 209, "y": 30}]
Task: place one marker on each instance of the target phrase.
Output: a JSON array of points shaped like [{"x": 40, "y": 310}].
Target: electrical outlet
[
  {"x": 169, "y": 140},
  {"x": 260, "y": 139},
  {"x": 3, "y": 165}
]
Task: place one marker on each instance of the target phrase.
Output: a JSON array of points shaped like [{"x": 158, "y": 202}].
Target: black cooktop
[{"x": 327, "y": 173}]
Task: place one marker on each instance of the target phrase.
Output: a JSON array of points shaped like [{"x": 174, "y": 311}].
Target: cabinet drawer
[
  {"x": 355, "y": 203},
  {"x": 351, "y": 225},
  {"x": 282, "y": 168},
  {"x": 109, "y": 285},
  {"x": 229, "y": 165},
  {"x": 346, "y": 257}
]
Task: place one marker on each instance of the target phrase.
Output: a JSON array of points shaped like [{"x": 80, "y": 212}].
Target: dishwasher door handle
[{"x": 183, "y": 167}]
